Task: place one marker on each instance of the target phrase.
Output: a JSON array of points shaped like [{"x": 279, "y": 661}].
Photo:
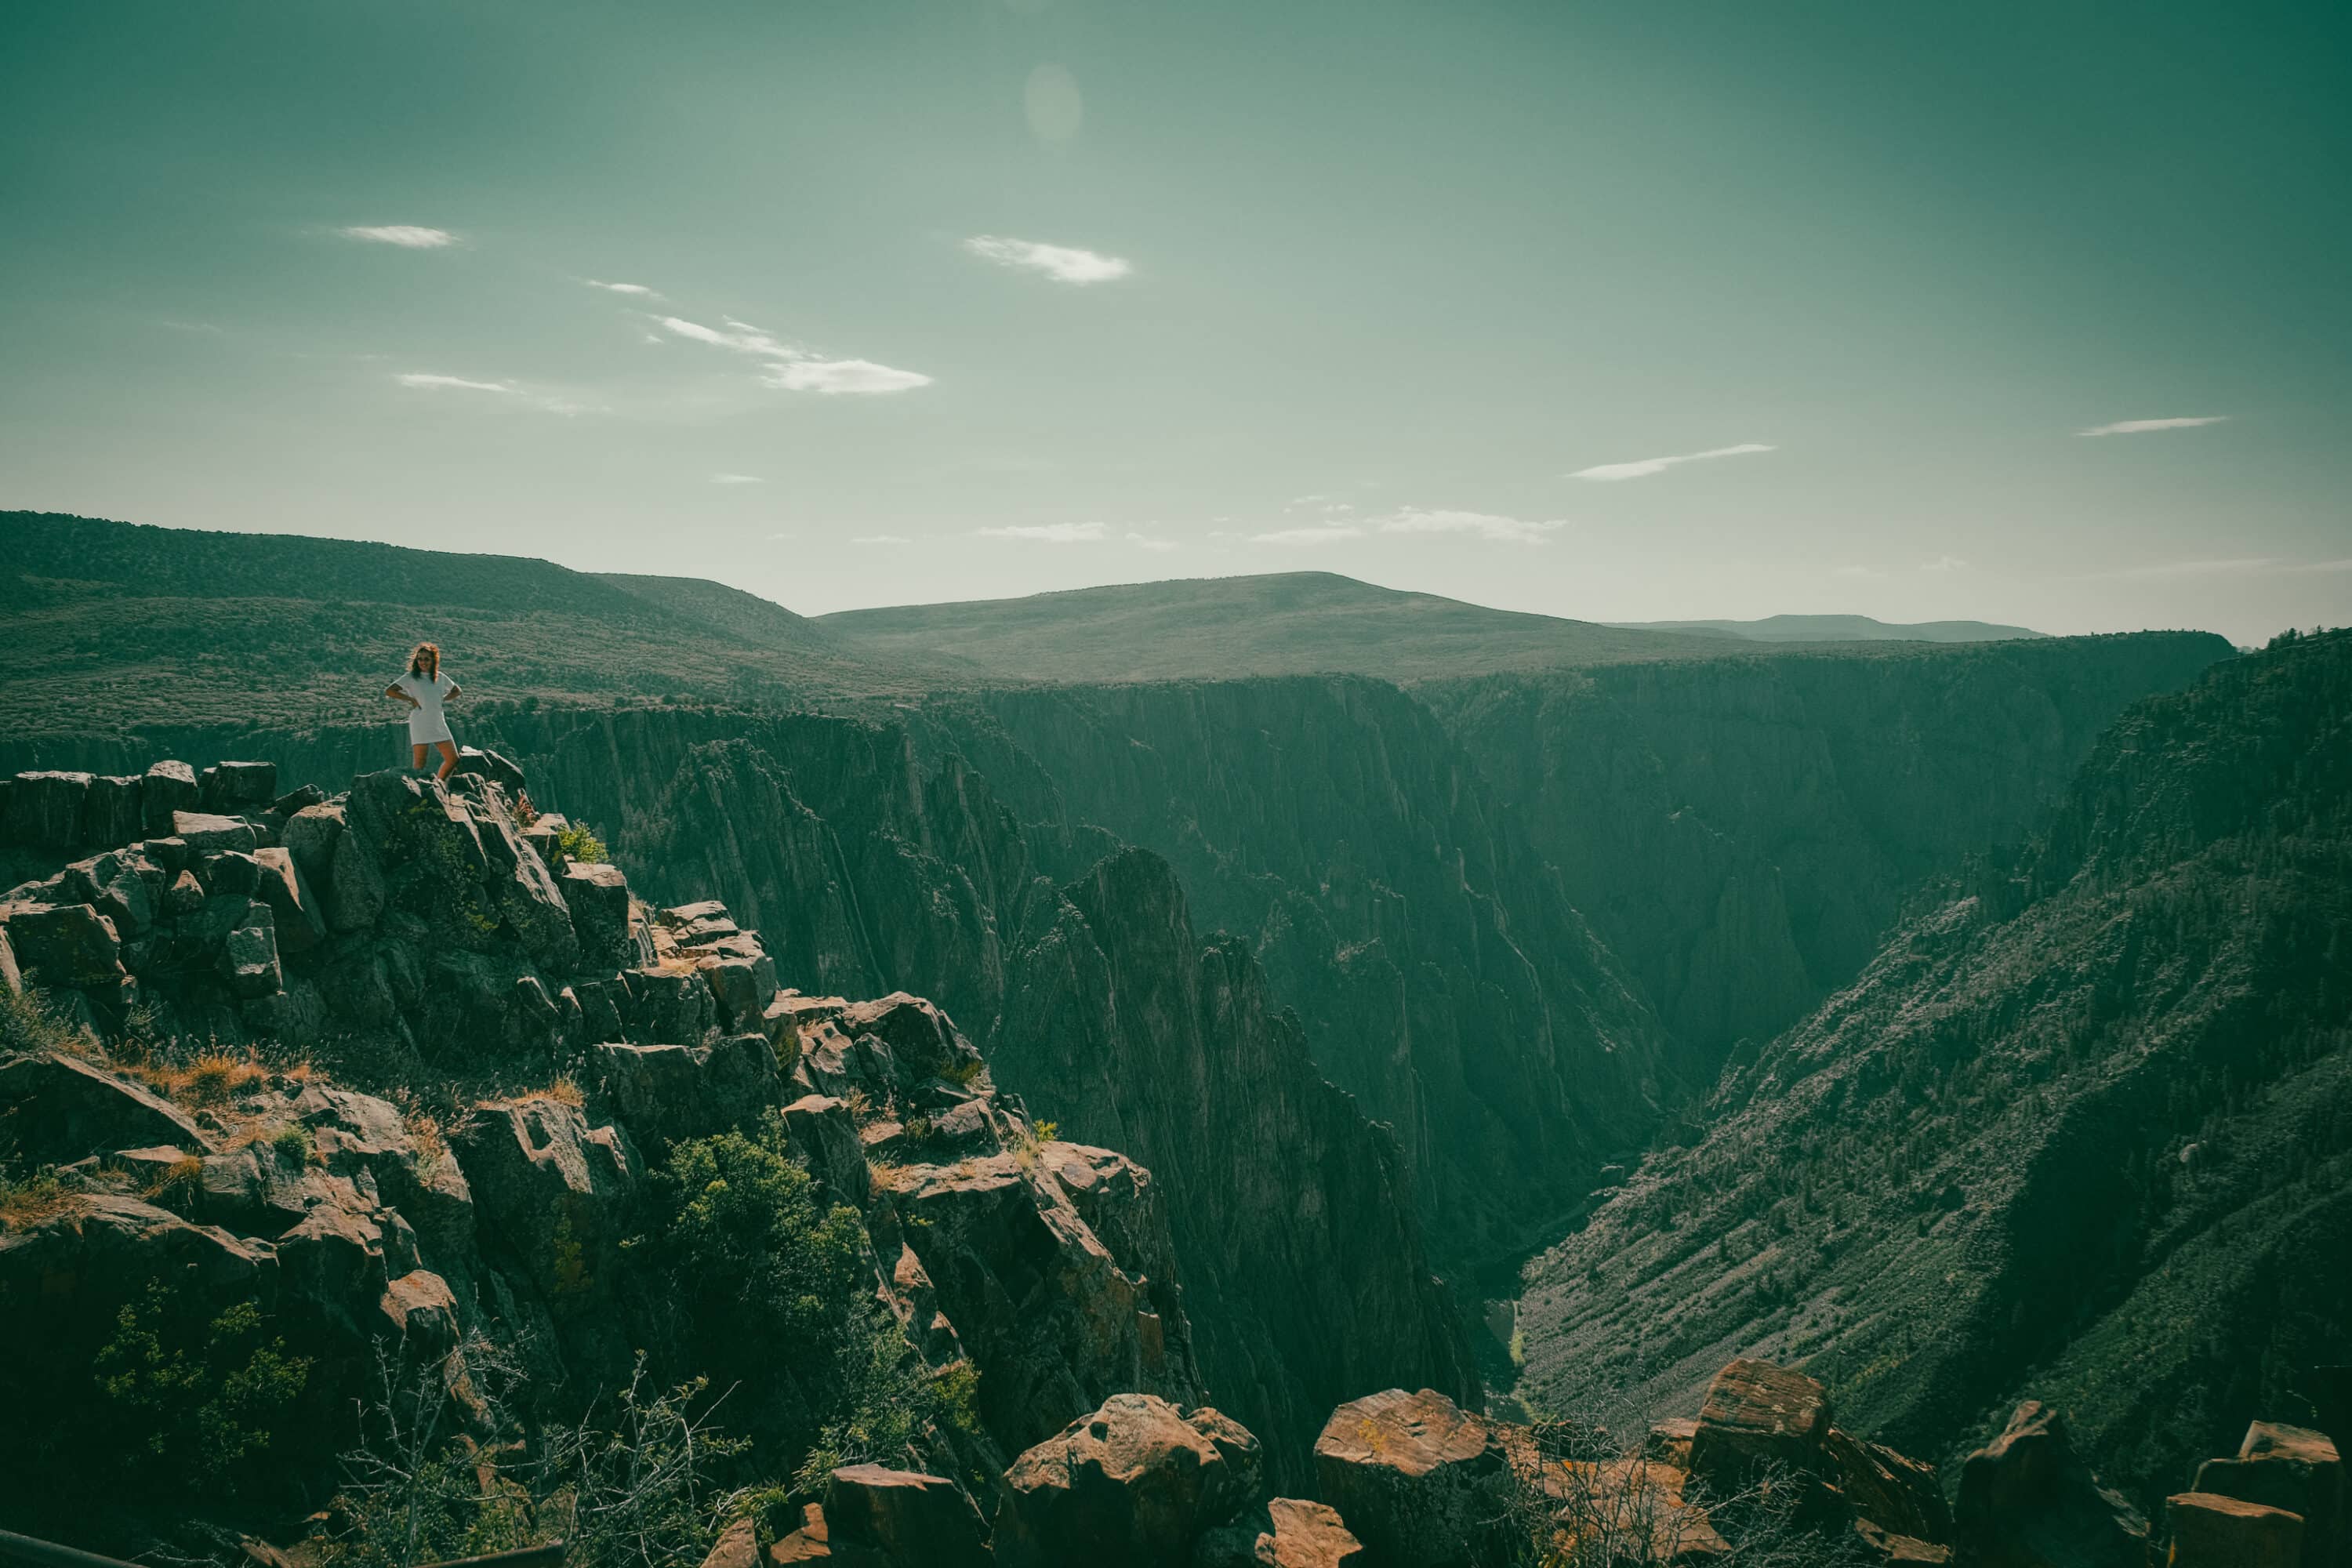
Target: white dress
[{"x": 426, "y": 722}]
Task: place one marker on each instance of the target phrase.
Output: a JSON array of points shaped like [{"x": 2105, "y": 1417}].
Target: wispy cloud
[
  {"x": 881, "y": 539},
  {"x": 1642, "y": 468},
  {"x": 1943, "y": 564},
  {"x": 1145, "y": 541},
  {"x": 524, "y": 396},
  {"x": 2142, "y": 426},
  {"x": 637, "y": 289},
  {"x": 1856, "y": 571},
  {"x": 2224, "y": 566},
  {"x": 1480, "y": 524},
  {"x": 1062, "y": 263},
  {"x": 737, "y": 479},
  {"x": 1330, "y": 533},
  {"x": 1049, "y": 532},
  {"x": 452, "y": 383},
  {"x": 407, "y": 236},
  {"x": 796, "y": 369}
]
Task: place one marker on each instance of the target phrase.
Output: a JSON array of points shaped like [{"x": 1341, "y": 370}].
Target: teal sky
[{"x": 1362, "y": 286}]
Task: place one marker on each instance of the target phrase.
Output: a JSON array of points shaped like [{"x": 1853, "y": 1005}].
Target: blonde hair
[{"x": 422, "y": 651}]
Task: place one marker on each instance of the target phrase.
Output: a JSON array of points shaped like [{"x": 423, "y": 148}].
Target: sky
[{"x": 2034, "y": 312}]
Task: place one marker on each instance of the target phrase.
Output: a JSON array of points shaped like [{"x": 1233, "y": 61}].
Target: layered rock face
[
  {"x": 2089, "y": 1124},
  {"x": 1126, "y": 1030},
  {"x": 1742, "y": 832},
  {"x": 1440, "y": 971},
  {"x": 194, "y": 1166}
]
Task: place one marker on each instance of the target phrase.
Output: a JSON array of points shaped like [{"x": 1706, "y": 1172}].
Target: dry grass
[
  {"x": 211, "y": 1079},
  {"x": 884, "y": 1174},
  {"x": 564, "y": 1091},
  {"x": 183, "y": 1175},
  {"x": 25, "y": 1203}
]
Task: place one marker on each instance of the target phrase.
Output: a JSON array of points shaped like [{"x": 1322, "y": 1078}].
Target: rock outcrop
[
  {"x": 1139, "y": 1481},
  {"x": 1418, "y": 1480},
  {"x": 2028, "y": 1501}
]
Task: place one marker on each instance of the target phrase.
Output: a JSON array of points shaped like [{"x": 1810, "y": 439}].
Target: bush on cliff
[
  {"x": 778, "y": 1297},
  {"x": 181, "y": 1407}
]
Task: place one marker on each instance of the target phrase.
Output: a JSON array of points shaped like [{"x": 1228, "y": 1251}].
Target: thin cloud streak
[
  {"x": 1062, "y": 263},
  {"x": 1048, "y": 532},
  {"x": 1642, "y": 468},
  {"x": 407, "y": 236},
  {"x": 636, "y": 290},
  {"x": 1483, "y": 525},
  {"x": 1296, "y": 537},
  {"x": 451, "y": 383},
  {"x": 881, "y": 539},
  {"x": 795, "y": 369},
  {"x": 2142, "y": 426},
  {"x": 737, "y": 479}
]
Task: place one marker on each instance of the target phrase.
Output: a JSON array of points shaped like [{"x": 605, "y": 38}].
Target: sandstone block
[
  {"x": 1420, "y": 1480},
  {"x": 1138, "y": 1482},
  {"x": 45, "y": 809},
  {"x": 167, "y": 788},
  {"x": 911, "y": 1517},
  {"x": 2209, "y": 1530},
  {"x": 1758, "y": 1415}
]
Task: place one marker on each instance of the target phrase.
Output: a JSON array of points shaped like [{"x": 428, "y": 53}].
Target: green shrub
[
  {"x": 579, "y": 842},
  {"x": 182, "y": 1409},
  {"x": 776, "y": 1289}
]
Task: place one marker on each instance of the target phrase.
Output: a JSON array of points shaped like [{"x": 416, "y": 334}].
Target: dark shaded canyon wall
[
  {"x": 1742, "y": 831},
  {"x": 1443, "y": 976},
  {"x": 2084, "y": 1135},
  {"x": 1122, "y": 1024}
]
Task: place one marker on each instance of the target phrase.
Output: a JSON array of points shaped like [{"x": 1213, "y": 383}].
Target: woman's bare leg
[
  {"x": 416, "y": 757},
  {"x": 448, "y": 758}
]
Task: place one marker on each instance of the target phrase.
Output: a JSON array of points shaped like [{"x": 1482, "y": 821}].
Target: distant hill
[
  {"x": 112, "y": 624},
  {"x": 1290, "y": 622},
  {"x": 1842, "y": 628}
]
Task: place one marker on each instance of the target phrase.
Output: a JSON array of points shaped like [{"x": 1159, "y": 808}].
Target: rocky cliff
[
  {"x": 2086, "y": 1126},
  {"x": 1741, "y": 832}
]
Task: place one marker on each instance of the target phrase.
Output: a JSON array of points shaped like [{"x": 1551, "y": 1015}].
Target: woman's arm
[{"x": 397, "y": 695}]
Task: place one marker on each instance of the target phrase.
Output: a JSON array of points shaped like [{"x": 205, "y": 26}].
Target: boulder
[
  {"x": 110, "y": 812},
  {"x": 232, "y": 872},
  {"x": 1898, "y": 1493},
  {"x": 1421, "y": 1481},
  {"x": 356, "y": 894},
  {"x": 598, "y": 896},
  {"x": 667, "y": 1093},
  {"x": 66, "y": 945},
  {"x": 556, "y": 1193},
  {"x": 738, "y": 1546},
  {"x": 184, "y": 897},
  {"x": 168, "y": 787},
  {"x": 814, "y": 1543},
  {"x": 922, "y": 1040},
  {"x": 666, "y": 1006},
  {"x": 310, "y": 836},
  {"x": 2290, "y": 1468},
  {"x": 1056, "y": 1311},
  {"x": 1758, "y": 1415},
  {"x": 1880, "y": 1546},
  {"x": 2027, "y": 1501},
  {"x": 45, "y": 809},
  {"x": 483, "y": 763},
  {"x": 1136, "y": 1482},
  {"x": 293, "y": 902},
  {"x": 296, "y": 801},
  {"x": 239, "y": 786},
  {"x": 741, "y": 989},
  {"x": 1285, "y": 1533},
  {"x": 822, "y": 1132},
  {"x": 207, "y": 834},
  {"x": 122, "y": 885},
  {"x": 909, "y": 1517},
  {"x": 57, "y": 1109},
  {"x": 2209, "y": 1530},
  {"x": 249, "y": 956}
]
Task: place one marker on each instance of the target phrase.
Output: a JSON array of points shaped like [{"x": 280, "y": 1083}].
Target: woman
[{"x": 424, "y": 689}]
